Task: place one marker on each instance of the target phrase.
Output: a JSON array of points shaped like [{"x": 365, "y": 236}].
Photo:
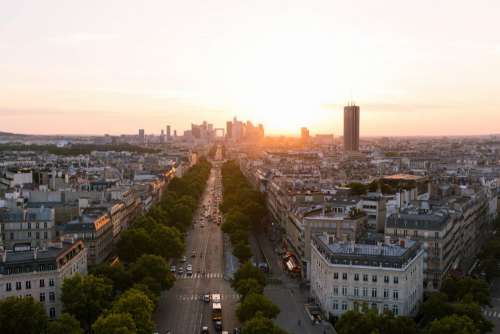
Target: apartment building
[
  {"x": 33, "y": 226},
  {"x": 40, "y": 273},
  {"x": 95, "y": 228},
  {"x": 351, "y": 276}
]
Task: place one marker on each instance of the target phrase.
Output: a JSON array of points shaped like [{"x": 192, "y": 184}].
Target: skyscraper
[
  {"x": 304, "y": 135},
  {"x": 351, "y": 127},
  {"x": 168, "y": 132},
  {"x": 141, "y": 136}
]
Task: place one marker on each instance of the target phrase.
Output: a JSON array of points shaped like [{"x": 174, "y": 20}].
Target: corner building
[{"x": 384, "y": 277}]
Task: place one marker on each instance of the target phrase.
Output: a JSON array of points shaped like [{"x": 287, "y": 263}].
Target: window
[
  {"x": 52, "y": 312},
  {"x": 386, "y": 293},
  {"x": 45, "y": 225},
  {"x": 436, "y": 235},
  {"x": 28, "y": 284},
  {"x": 8, "y": 287},
  {"x": 344, "y": 291},
  {"x": 374, "y": 278},
  {"x": 386, "y": 307},
  {"x": 386, "y": 279},
  {"x": 335, "y": 291},
  {"x": 18, "y": 285},
  {"x": 42, "y": 283},
  {"x": 52, "y": 296},
  {"x": 29, "y": 234},
  {"x": 42, "y": 297},
  {"x": 29, "y": 226},
  {"x": 356, "y": 292},
  {"x": 374, "y": 293},
  {"x": 344, "y": 306},
  {"x": 37, "y": 225},
  {"x": 356, "y": 277},
  {"x": 365, "y": 292},
  {"x": 344, "y": 276},
  {"x": 365, "y": 278},
  {"x": 395, "y": 309},
  {"x": 11, "y": 236},
  {"x": 415, "y": 233},
  {"x": 396, "y": 279},
  {"x": 51, "y": 282},
  {"x": 38, "y": 235},
  {"x": 45, "y": 235},
  {"x": 335, "y": 305},
  {"x": 395, "y": 294},
  {"x": 335, "y": 275}
]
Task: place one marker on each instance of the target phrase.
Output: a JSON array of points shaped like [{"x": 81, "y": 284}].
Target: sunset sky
[{"x": 426, "y": 67}]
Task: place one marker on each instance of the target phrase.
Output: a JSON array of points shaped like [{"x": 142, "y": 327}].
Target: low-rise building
[
  {"x": 40, "y": 273},
  {"x": 351, "y": 276}
]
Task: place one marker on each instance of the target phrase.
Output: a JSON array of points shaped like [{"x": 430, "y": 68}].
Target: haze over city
[{"x": 94, "y": 67}]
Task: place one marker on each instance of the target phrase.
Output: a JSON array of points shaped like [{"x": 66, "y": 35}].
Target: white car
[
  {"x": 172, "y": 269},
  {"x": 189, "y": 267}
]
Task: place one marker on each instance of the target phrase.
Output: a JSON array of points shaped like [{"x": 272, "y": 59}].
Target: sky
[{"x": 428, "y": 67}]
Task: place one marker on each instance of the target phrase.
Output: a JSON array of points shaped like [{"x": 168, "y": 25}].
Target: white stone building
[
  {"x": 348, "y": 276},
  {"x": 40, "y": 273}
]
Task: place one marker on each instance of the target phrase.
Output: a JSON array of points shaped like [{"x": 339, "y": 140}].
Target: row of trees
[
  {"x": 490, "y": 254},
  {"x": 120, "y": 298},
  {"x": 77, "y": 149},
  {"x": 243, "y": 208},
  {"x": 255, "y": 310},
  {"x": 455, "y": 309}
]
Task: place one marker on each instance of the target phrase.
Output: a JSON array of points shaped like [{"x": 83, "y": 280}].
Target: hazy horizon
[{"x": 415, "y": 69}]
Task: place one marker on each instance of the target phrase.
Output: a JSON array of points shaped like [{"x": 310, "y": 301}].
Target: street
[{"x": 181, "y": 309}]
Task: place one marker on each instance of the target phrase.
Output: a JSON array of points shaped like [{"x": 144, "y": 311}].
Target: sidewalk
[
  {"x": 231, "y": 263},
  {"x": 286, "y": 292}
]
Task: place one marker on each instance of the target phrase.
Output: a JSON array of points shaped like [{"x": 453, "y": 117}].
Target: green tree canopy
[
  {"x": 22, "y": 315},
  {"x": 66, "y": 324},
  {"x": 139, "y": 306},
  {"x": 133, "y": 243},
  {"x": 453, "y": 324},
  {"x": 242, "y": 251},
  {"x": 248, "y": 286},
  {"x": 115, "y": 323},
  {"x": 115, "y": 273},
  {"x": 86, "y": 297},
  {"x": 153, "y": 271},
  {"x": 254, "y": 303},
  {"x": 248, "y": 270},
  {"x": 261, "y": 325},
  {"x": 467, "y": 289}
]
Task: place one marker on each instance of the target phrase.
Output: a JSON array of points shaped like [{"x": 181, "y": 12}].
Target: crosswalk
[
  {"x": 201, "y": 276},
  {"x": 190, "y": 298},
  {"x": 491, "y": 313}
]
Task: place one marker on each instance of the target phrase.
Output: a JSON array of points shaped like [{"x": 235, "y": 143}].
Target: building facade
[
  {"x": 351, "y": 128},
  {"x": 384, "y": 277},
  {"x": 40, "y": 274}
]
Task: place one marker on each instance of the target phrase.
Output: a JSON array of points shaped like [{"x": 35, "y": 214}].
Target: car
[
  {"x": 193, "y": 254},
  {"x": 189, "y": 267},
  {"x": 204, "y": 330},
  {"x": 180, "y": 271},
  {"x": 206, "y": 298},
  {"x": 202, "y": 225},
  {"x": 184, "y": 259},
  {"x": 189, "y": 273},
  {"x": 172, "y": 269}
]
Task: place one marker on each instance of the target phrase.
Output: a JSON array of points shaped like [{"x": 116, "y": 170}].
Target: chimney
[{"x": 402, "y": 243}]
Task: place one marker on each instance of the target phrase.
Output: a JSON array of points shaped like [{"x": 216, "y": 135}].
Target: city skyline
[{"x": 278, "y": 63}]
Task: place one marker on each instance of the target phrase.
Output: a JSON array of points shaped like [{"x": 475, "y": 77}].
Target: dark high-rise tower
[{"x": 351, "y": 127}]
